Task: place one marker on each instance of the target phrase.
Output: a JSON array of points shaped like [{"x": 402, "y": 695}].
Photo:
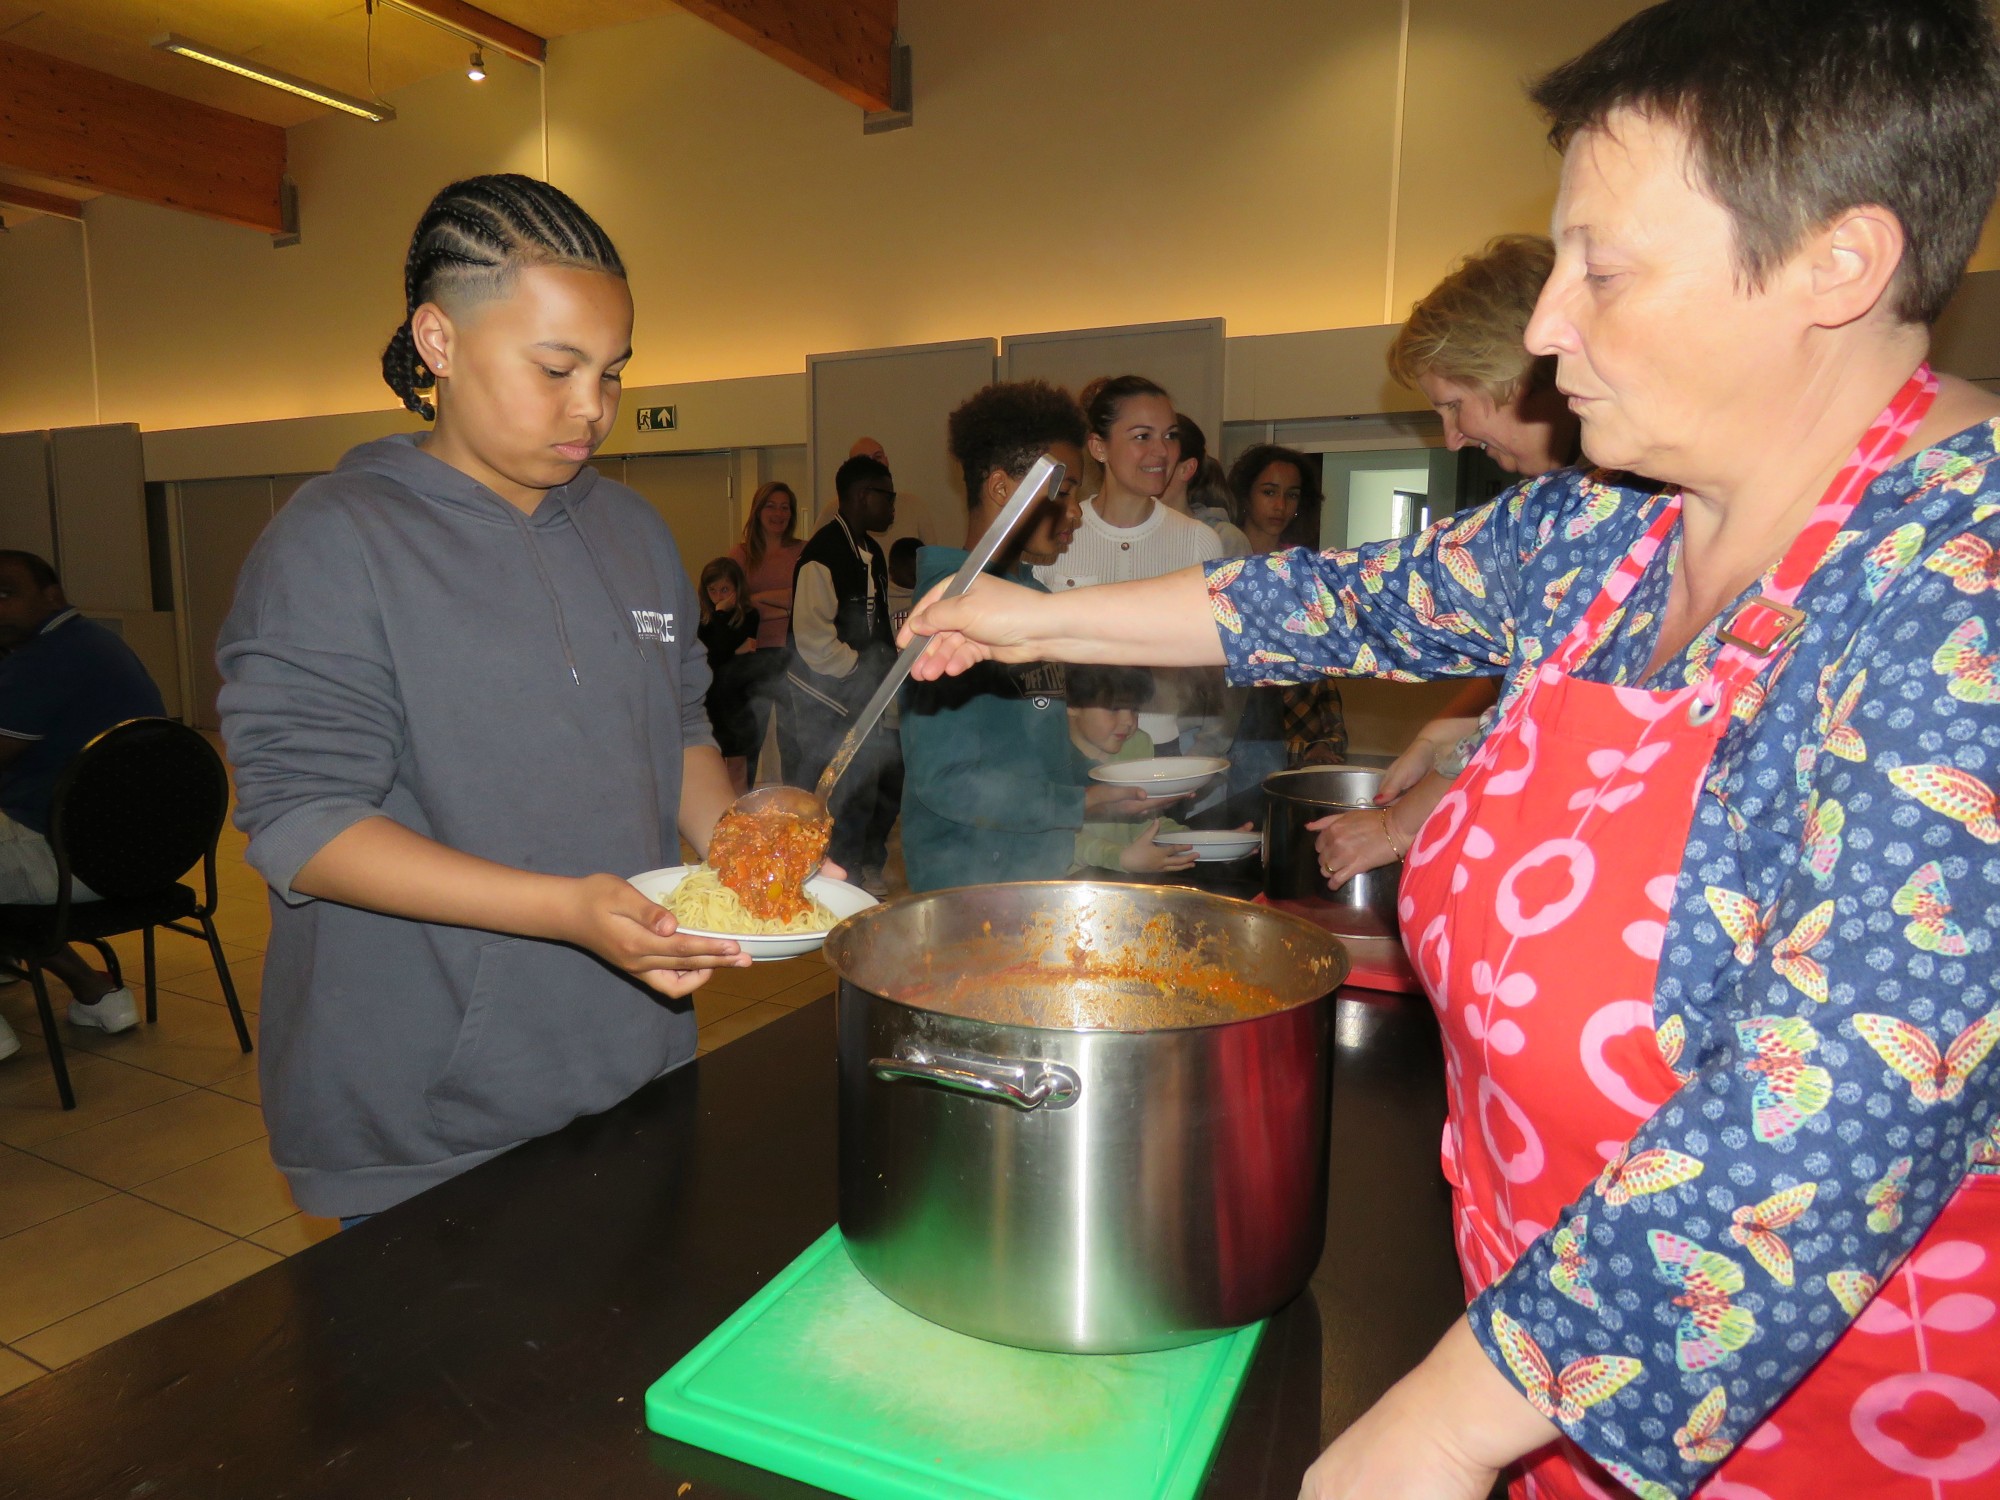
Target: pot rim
[
  {"x": 1274, "y": 786},
  {"x": 1342, "y": 962},
  {"x": 946, "y": 1015}
]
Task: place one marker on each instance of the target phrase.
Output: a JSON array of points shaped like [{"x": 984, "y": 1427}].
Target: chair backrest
[{"x": 139, "y": 807}]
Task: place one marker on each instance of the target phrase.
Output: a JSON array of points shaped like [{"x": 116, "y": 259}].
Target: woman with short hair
[{"x": 1707, "y": 921}]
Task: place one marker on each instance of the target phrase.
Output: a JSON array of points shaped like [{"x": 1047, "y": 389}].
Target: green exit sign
[{"x": 657, "y": 419}]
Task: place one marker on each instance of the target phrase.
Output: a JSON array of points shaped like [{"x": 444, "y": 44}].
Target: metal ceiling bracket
[
  {"x": 288, "y": 212},
  {"x": 900, "y": 113}
]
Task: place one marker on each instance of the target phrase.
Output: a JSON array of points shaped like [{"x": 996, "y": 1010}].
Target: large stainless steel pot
[
  {"x": 1129, "y": 1161},
  {"x": 1362, "y": 907}
]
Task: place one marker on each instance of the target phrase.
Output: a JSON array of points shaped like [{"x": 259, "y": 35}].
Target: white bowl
[
  {"x": 1162, "y": 776},
  {"x": 1212, "y": 845},
  {"x": 842, "y": 899}
]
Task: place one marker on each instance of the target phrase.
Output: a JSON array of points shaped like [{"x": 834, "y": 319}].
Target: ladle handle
[
  {"x": 1024, "y": 1083},
  {"x": 1045, "y": 471}
]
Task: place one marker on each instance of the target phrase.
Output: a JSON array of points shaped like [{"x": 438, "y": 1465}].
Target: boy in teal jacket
[{"x": 990, "y": 790}]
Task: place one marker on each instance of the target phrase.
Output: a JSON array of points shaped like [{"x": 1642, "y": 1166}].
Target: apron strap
[
  {"x": 1618, "y": 588},
  {"x": 1757, "y": 631},
  {"x": 1760, "y": 628}
]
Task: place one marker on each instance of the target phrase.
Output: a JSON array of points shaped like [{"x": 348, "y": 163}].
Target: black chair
[{"x": 136, "y": 810}]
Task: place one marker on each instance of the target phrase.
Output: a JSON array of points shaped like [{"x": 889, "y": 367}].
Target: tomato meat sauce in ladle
[{"x": 771, "y": 840}]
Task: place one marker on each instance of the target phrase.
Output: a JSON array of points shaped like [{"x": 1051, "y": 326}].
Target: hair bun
[{"x": 407, "y": 375}]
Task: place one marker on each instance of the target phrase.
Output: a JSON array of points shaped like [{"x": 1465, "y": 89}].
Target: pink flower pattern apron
[{"x": 1533, "y": 907}]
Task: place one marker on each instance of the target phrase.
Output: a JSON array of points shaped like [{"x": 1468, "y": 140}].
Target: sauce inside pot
[{"x": 1097, "y": 995}]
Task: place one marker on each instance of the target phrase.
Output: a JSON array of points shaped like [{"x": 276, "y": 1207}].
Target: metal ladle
[{"x": 1045, "y": 473}]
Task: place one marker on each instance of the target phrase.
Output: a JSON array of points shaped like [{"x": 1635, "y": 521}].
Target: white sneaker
[
  {"x": 114, "y": 1011},
  {"x": 9, "y": 1043}
]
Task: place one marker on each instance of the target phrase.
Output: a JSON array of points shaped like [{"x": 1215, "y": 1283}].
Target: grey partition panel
[
  {"x": 99, "y": 482},
  {"x": 1966, "y": 341},
  {"x": 1185, "y": 358},
  {"x": 27, "y": 517},
  {"x": 220, "y": 520},
  {"x": 901, "y": 398},
  {"x": 692, "y": 491},
  {"x": 284, "y": 486}
]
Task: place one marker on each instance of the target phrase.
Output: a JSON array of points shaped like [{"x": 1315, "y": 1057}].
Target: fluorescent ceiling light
[{"x": 242, "y": 67}]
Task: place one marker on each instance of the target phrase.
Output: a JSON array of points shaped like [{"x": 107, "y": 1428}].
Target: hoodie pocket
[{"x": 549, "y": 1034}]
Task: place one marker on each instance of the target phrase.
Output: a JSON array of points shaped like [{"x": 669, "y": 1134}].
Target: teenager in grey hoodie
[{"x": 461, "y": 680}]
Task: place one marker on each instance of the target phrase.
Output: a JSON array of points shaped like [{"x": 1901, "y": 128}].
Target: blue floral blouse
[{"x": 1837, "y": 902}]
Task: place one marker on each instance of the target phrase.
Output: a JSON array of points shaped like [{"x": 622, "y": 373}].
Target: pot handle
[{"x": 1028, "y": 1084}]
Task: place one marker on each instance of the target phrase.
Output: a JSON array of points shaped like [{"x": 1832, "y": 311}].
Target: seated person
[
  {"x": 991, "y": 788},
  {"x": 1104, "y": 704},
  {"x": 64, "y": 680}
]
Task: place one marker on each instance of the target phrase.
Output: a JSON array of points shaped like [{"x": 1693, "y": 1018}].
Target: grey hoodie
[{"x": 406, "y": 643}]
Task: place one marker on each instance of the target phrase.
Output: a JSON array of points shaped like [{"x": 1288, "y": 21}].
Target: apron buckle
[{"x": 1778, "y": 622}]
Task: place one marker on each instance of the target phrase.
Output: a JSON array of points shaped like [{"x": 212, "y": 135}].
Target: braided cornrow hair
[{"x": 473, "y": 237}]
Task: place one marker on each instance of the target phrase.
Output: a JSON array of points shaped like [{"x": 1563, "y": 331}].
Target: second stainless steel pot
[
  {"x": 1362, "y": 907},
  {"x": 1117, "y": 1162}
]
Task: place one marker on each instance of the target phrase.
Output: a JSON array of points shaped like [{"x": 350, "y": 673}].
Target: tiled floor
[{"x": 158, "y": 1188}]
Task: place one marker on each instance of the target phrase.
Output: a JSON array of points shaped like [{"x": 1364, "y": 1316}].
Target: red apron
[{"x": 1534, "y": 906}]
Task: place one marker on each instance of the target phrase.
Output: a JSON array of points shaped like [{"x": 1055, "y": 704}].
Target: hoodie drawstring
[
  {"x": 548, "y": 587},
  {"x": 619, "y": 608},
  {"x": 597, "y": 563}
]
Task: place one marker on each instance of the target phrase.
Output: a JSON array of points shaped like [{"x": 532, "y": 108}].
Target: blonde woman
[
  {"x": 769, "y": 556},
  {"x": 1462, "y": 347}
]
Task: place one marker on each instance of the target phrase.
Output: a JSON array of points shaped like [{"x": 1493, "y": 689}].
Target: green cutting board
[{"x": 821, "y": 1378}]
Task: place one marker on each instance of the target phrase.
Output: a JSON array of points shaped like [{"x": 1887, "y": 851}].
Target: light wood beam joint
[
  {"x": 87, "y": 129},
  {"x": 481, "y": 26},
  {"x": 843, "y": 45}
]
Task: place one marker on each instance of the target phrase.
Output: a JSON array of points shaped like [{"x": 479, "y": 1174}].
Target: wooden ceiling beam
[
  {"x": 78, "y": 126},
  {"x": 843, "y": 45},
  {"x": 41, "y": 203},
  {"x": 479, "y": 25}
]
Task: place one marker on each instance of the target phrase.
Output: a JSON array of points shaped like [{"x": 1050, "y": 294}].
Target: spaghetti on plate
[{"x": 701, "y": 902}]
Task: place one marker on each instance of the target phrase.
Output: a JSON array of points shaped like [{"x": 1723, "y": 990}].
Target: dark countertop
[{"x": 493, "y": 1338}]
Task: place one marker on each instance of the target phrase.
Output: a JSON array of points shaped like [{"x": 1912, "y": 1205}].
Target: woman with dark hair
[
  {"x": 1271, "y": 488},
  {"x": 1275, "y": 497},
  {"x": 460, "y": 681},
  {"x": 1707, "y": 920}
]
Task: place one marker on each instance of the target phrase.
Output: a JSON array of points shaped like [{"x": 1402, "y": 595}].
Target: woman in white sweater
[{"x": 1126, "y": 532}]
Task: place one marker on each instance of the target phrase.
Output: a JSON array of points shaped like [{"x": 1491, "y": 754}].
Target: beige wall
[
  {"x": 1075, "y": 163},
  {"x": 44, "y": 327}
]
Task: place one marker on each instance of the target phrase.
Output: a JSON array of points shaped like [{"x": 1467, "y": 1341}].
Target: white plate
[
  {"x": 842, "y": 899},
  {"x": 1213, "y": 844},
  {"x": 1162, "y": 776}
]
